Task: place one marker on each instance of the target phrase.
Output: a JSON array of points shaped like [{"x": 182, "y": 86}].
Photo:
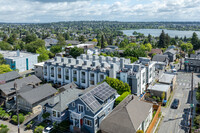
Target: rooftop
[
  {"x": 127, "y": 116},
  {"x": 15, "y": 54},
  {"x": 159, "y": 87},
  {"x": 9, "y": 76},
  {"x": 167, "y": 78}
]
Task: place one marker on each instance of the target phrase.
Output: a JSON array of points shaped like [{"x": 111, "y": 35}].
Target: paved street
[{"x": 176, "y": 120}]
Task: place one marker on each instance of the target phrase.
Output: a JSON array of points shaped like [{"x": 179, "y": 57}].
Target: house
[
  {"x": 72, "y": 42},
  {"x": 169, "y": 79},
  {"x": 49, "y": 42},
  {"x": 7, "y": 91},
  {"x": 161, "y": 58},
  {"x": 57, "y": 106},
  {"x": 158, "y": 89},
  {"x": 171, "y": 53},
  {"x": 90, "y": 108},
  {"x": 155, "y": 51},
  {"x": 129, "y": 116},
  {"x": 21, "y": 61},
  {"x": 33, "y": 96},
  {"x": 38, "y": 70},
  {"x": 8, "y": 77},
  {"x": 93, "y": 51}
]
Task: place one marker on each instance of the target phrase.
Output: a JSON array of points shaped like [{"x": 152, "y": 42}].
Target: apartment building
[{"x": 88, "y": 70}]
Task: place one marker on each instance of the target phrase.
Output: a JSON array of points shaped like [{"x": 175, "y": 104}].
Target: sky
[{"x": 41, "y": 11}]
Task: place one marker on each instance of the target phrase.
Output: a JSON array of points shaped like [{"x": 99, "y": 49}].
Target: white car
[
  {"x": 174, "y": 71},
  {"x": 48, "y": 129}
]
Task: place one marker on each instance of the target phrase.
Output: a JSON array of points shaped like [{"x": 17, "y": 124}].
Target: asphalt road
[{"x": 176, "y": 120}]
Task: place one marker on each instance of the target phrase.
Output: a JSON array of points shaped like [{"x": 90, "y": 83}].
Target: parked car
[
  {"x": 175, "y": 104},
  {"x": 48, "y": 129}
]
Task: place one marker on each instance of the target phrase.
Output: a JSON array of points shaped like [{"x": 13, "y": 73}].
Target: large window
[
  {"x": 74, "y": 72},
  {"x": 74, "y": 79},
  {"x": 58, "y": 114},
  {"x": 54, "y": 113},
  {"x": 52, "y": 71},
  {"x": 83, "y": 73},
  {"x": 92, "y": 75},
  {"x": 88, "y": 122},
  {"x": 80, "y": 108}
]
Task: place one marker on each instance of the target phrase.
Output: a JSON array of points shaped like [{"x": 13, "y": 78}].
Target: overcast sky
[{"x": 120, "y": 10}]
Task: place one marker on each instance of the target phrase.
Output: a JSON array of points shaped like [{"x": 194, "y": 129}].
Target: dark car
[{"x": 175, "y": 104}]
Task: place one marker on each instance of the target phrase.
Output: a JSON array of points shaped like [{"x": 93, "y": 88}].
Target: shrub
[
  {"x": 28, "y": 126},
  {"x": 3, "y": 128},
  {"x": 159, "y": 115},
  {"x": 21, "y": 118},
  {"x": 38, "y": 129},
  {"x": 121, "y": 98},
  {"x": 140, "y": 131}
]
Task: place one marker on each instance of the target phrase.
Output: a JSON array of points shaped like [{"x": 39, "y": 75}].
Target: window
[
  {"x": 54, "y": 113},
  {"x": 67, "y": 77},
  {"x": 73, "y": 104},
  {"x": 83, "y": 81},
  {"x": 87, "y": 109},
  {"x": 58, "y": 114},
  {"x": 91, "y": 82},
  {"x": 59, "y": 70},
  {"x": 96, "y": 121},
  {"x": 92, "y": 75},
  {"x": 83, "y": 73},
  {"x": 101, "y": 76},
  {"x": 74, "y": 72},
  {"x": 108, "y": 109},
  {"x": 66, "y": 71},
  {"x": 88, "y": 122},
  {"x": 80, "y": 108}
]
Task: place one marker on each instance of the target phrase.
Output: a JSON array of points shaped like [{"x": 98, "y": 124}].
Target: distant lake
[{"x": 157, "y": 32}]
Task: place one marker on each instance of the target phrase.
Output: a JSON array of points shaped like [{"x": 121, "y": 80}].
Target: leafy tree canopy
[
  {"x": 5, "y": 68},
  {"x": 75, "y": 52},
  {"x": 33, "y": 46},
  {"x": 43, "y": 54},
  {"x": 5, "y": 46}
]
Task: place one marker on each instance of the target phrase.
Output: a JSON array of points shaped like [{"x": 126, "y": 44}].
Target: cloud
[{"x": 121, "y": 10}]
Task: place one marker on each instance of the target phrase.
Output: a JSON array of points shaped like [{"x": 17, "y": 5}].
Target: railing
[{"x": 155, "y": 119}]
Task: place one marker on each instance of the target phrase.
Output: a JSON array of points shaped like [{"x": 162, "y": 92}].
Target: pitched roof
[
  {"x": 127, "y": 116},
  {"x": 100, "y": 92},
  {"x": 171, "y": 51},
  {"x": 60, "y": 102},
  {"x": 39, "y": 93},
  {"x": 160, "y": 58},
  {"x": 8, "y": 88},
  {"x": 157, "y": 51},
  {"x": 9, "y": 76}
]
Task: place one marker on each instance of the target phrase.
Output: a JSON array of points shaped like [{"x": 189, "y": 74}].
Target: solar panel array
[
  {"x": 103, "y": 91},
  {"x": 89, "y": 99}
]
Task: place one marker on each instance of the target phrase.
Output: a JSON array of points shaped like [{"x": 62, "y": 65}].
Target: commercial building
[
  {"x": 21, "y": 61},
  {"x": 88, "y": 70}
]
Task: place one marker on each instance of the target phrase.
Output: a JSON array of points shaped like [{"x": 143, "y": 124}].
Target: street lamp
[{"x": 15, "y": 87}]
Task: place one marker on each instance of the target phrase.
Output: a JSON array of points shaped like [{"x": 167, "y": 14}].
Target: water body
[{"x": 157, "y": 32}]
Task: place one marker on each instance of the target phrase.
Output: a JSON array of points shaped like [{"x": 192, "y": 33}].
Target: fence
[{"x": 155, "y": 119}]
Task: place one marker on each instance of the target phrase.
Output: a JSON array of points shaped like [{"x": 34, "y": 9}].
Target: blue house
[{"x": 90, "y": 108}]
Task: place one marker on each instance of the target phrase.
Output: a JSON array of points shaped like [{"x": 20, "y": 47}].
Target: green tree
[
  {"x": 195, "y": 41},
  {"x": 61, "y": 40},
  {"x": 43, "y": 54},
  {"x": 102, "y": 42},
  {"x": 2, "y": 60},
  {"x": 122, "y": 44},
  {"x": 197, "y": 120},
  {"x": 164, "y": 40},
  {"x": 75, "y": 52},
  {"x": 163, "y": 96},
  {"x": 5, "y": 38},
  {"x": 5, "y": 68},
  {"x": 118, "y": 85},
  {"x": 12, "y": 39},
  {"x": 186, "y": 47},
  {"x": 30, "y": 38},
  {"x": 94, "y": 40},
  {"x": 33, "y": 46},
  {"x": 82, "y": 39},
  {"x": 56, "y": 49},
  {"x": 67, "y": 36},
  {"x": 5, "y": 46}
]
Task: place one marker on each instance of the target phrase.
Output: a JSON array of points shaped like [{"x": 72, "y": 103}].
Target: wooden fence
[{"x": 155, "y": 119}]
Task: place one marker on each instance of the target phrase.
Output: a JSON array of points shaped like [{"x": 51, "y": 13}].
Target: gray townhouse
[
  {"x": 192, "y": 63},
  {"x": 88, "y": 70}
]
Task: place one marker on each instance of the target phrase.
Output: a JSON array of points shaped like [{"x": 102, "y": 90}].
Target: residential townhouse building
[
  {"x": 90, "y": 108},
  {"x": 88, "y": 70}
]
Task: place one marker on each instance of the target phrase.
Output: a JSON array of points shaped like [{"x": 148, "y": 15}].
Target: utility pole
[
  {"x": 15, "y": 87},
  {"x": 191, "y": 104}
]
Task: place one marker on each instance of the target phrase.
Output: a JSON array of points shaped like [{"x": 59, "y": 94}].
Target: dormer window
[{"x": 73, "y": 104}]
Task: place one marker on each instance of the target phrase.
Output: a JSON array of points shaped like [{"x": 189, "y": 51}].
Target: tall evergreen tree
[
  {"x": 195, "y": 41},
  {"x": 102, "y": 42},
  {"x": 161, "y": 42}
]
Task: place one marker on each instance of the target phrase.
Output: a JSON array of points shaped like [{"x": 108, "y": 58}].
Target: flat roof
[
  {"x": 159, "y": 87},
  {"x": 166, "y": 78},
  {"x": 13, "y": 54},
  {"x": 39, "y": 64}
]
